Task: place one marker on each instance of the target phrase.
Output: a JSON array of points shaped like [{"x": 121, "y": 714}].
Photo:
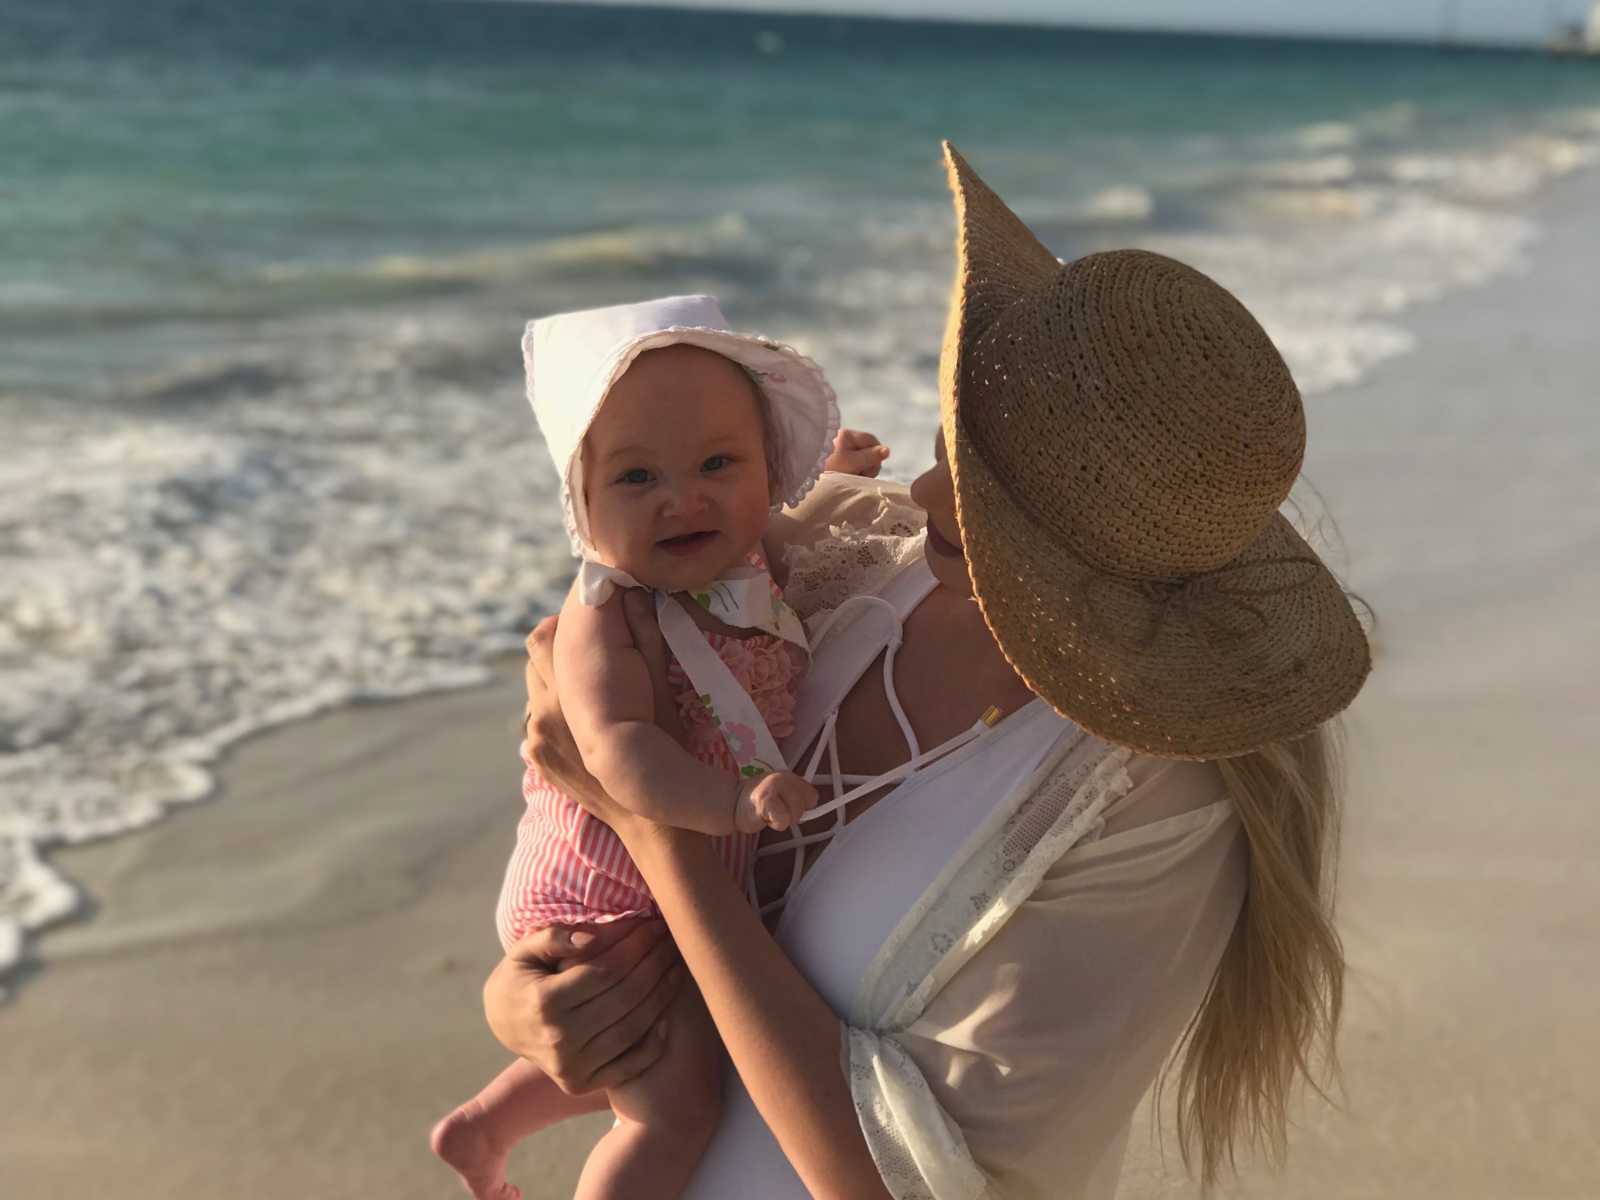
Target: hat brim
[{"x": 1275, "y": 648}]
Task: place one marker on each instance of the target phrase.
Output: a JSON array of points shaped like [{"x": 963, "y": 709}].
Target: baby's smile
[{"x": 684, "y": 545}]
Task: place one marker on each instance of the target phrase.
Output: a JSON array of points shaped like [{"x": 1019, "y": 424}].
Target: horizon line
[{"x": 1443, "y": 41}]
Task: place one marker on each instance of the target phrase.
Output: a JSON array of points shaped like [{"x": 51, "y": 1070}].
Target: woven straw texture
[{"x": 1121, "y": 434}]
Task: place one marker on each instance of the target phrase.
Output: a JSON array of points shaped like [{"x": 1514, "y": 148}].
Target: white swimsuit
[{"x": 838, "y": 915}]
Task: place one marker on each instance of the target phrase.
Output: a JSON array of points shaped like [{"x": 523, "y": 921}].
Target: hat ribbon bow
[{"x": 1217, "y": 606}]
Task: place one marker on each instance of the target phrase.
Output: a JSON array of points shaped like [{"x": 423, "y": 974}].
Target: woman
[{"x": 1122, "y": 661}]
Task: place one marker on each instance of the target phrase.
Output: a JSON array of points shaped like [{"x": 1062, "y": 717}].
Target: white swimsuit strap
[
  {"x": 797, "y": 841},
  {"x": 871, "y": 783},
  {"x": 819, "y": 719},
  {"x": 837, "y": 668}
]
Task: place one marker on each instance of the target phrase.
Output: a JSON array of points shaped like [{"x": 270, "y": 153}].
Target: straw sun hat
[{"x": 1121, "y": 433}]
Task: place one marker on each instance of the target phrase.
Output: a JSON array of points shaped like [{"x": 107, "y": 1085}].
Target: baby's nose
[{"x": 686, "y": 499}]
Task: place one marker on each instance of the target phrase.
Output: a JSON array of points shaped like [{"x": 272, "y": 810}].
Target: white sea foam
[
  {"x": 1392, "y": 121},
  {"x": 1508, "y": 172},
  {"x": 1329, "y": 299},
  {"x": 1122, "y": 203},
  {"x": 629, "y": 248},
  {"x": 190, "y": 578},
  {"x": 1583, "y": 121},
  {"x": 1328, "y": 135},
  {"x": 1325, "y": 169},
  {"x": 1318, "y": 203}
]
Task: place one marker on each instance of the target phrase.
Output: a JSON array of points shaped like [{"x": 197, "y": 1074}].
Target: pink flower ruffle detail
[
  {"x": 778, "y": 708},
  {"x": 770, "y": 667},
  {"x": 765, "y": 666},
  {"x": 738, "y": 655}
]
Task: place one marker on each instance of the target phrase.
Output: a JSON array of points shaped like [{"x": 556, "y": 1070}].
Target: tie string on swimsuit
[{"x": 828, "y": 740}]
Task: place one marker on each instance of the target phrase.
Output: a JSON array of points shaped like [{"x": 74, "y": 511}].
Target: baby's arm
[{"x": 606, "y": 696}]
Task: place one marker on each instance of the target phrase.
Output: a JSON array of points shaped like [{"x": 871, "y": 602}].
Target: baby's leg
[
  {"x": 665, "y": 1117},
  {"x": 477, "y": 1137}
]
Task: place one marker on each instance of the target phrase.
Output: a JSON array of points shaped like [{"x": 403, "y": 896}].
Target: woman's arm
[{"x": 783, "y": 1039}]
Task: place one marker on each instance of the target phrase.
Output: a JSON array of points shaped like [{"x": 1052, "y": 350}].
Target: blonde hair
[{"x": 1271, "y": 1013}]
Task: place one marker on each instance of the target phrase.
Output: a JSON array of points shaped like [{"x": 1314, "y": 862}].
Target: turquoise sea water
[{"x": 263, "y": 268}]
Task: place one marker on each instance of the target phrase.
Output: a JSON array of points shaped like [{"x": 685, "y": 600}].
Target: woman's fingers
[
  {"x": 627, "y": 1046},
  {"x": 582, "y": 1041},
  {"x": 541, "y": 669},
  {"x": 581, "y": 983},
  {"x": 556, "y": 946},
  {"x": 547, "y": 739},
  {"x": 632, "y": 1062},
  {"x": 627, "y": 993},
  {"x": 572, "y": 1017},
  {"x": 541, "y": 642},
  {"x": 539, "y": 676}
]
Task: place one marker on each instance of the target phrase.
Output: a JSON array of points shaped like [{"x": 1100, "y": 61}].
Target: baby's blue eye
[
  {"x": 636, "y": 476},
  {"x": 715, "y": 463}
]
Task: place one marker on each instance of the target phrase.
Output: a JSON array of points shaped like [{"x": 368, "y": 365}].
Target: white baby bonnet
[{"x": 573, "y": 359}]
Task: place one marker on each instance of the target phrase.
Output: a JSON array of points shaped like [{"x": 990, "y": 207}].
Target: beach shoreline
[
  {"x": 281, "y": 987},
  {"x": 279, "y": 990}
]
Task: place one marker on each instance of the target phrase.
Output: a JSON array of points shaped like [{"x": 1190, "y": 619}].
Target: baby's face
[{"x": 675, "y": 469}]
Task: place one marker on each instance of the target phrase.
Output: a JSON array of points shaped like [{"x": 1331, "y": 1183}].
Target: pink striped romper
[{"x": 569, "y": 868}]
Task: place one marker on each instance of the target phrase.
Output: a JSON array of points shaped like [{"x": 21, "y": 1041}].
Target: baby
[{"x": 675, "y": 439}]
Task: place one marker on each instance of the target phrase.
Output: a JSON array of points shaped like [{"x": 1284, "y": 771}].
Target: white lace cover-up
[{"x": 1013, "y": 938}]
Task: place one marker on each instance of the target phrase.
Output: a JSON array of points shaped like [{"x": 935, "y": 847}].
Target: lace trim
[
  {"x": 1069, "y": 804},
  {"x": 803, "y": 488},
  {"x": 918, "y": 1150},
  {"x": 891, "y": 1095},
  {"x": 852, "y": 559}
]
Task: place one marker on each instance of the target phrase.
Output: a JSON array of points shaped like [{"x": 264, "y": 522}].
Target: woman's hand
[
  {"x": 856, "y": 452},
  {"x": 585, "y": 1005}
]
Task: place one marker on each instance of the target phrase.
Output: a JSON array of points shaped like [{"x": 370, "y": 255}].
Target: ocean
[{"x": 263, "y": 270}]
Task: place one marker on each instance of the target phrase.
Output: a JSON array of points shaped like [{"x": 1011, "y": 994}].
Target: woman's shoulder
[
  {"x": 1159, "y": 814},
  {"x": 841, "y": 501},
  {"x": 1160, "y": 789},
  {"x": 848, "y": 536}
]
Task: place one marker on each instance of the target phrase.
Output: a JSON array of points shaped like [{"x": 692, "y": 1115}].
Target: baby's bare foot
[{"x": 462, "y": 1140}]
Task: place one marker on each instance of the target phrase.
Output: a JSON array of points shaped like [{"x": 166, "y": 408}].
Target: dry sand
[{"x": 280, "y": 990}]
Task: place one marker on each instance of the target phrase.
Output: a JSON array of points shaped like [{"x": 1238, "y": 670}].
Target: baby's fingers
[
  {"x": 803, "y": 803},
  {"x": 856, "y": 452},
  {"x": 785, "y": 800},
  {"x": 749, "y": 814}
]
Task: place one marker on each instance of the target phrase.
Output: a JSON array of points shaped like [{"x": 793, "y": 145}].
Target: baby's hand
[
  {"x": 856, "y": 452},
  {"x": 778, "y": 799}
]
